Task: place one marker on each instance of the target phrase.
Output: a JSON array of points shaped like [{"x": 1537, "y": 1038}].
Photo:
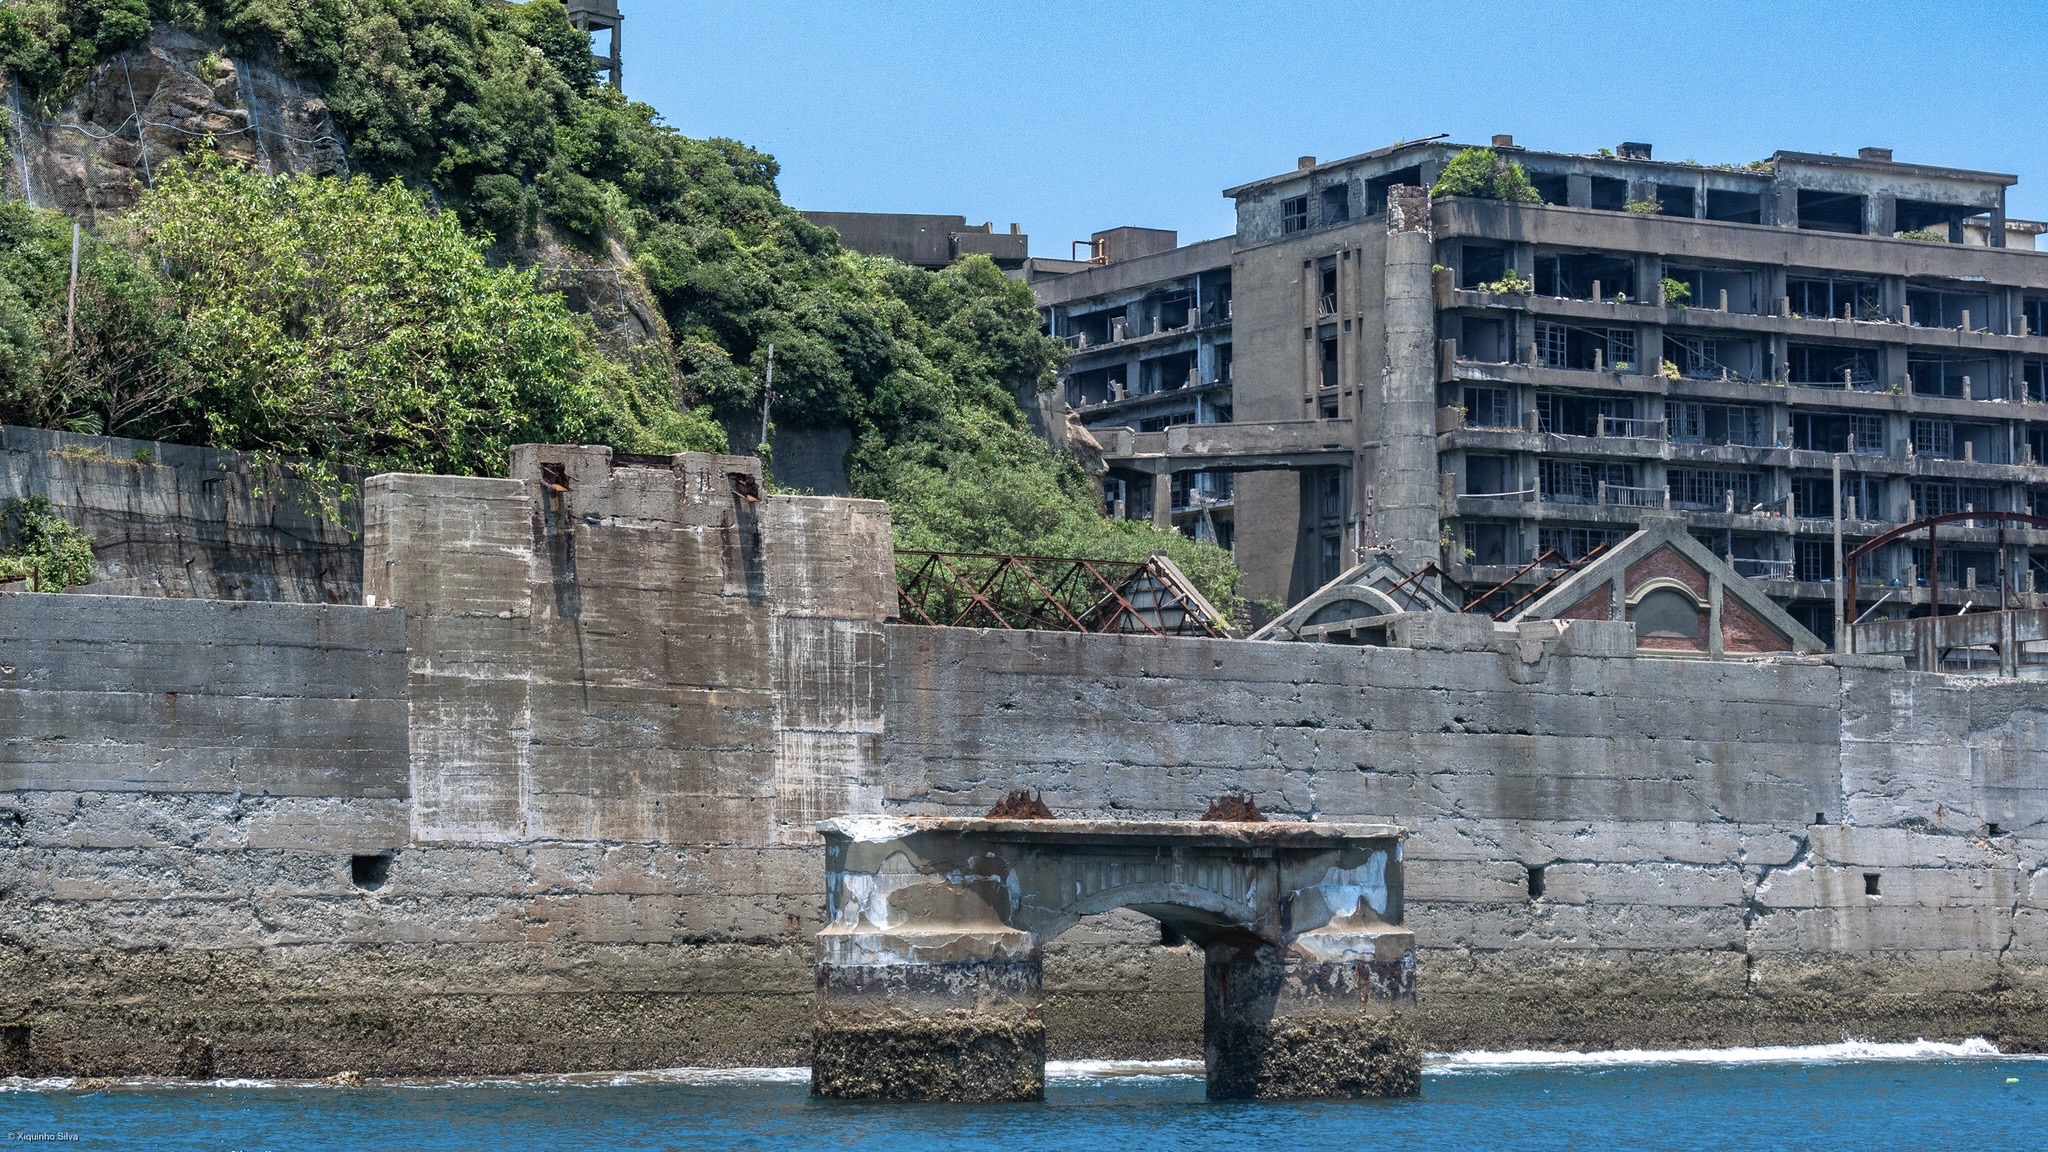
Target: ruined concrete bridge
[{"x": 929, "y": 971}]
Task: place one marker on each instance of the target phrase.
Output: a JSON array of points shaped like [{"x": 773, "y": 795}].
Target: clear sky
[{"x": 1068, "y": 118}]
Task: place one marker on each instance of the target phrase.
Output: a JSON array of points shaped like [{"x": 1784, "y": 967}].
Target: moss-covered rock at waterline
[{"x": 961, "y": 1056}]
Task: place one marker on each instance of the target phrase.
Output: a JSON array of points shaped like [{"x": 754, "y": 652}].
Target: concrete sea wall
[{"x": 544, "y": 800}]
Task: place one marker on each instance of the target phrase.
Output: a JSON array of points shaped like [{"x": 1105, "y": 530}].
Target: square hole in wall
[
  {"x": 1535, "y": 881},
  {"x": 1870, "y": 884},
  {"x": 1991, "y": 830},
  {"x": 1820, "y": 817},
  {"x": 369, "y": 872}
]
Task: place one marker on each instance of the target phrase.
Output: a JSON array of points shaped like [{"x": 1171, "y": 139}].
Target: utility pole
[
  {"x": 767, "y": 405},
  {"x": 1841, "y": 625},
  {"x": 71, "y": 301}
]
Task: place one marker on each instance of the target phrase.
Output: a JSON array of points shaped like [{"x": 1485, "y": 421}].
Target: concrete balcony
[{"x": 1229, "y": 447}]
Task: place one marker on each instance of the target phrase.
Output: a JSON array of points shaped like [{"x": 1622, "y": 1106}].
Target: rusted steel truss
[{"x": 1051, "y": 594}]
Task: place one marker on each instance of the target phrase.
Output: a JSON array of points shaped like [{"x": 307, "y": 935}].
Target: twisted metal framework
[{"x": 1051, "y": 594}]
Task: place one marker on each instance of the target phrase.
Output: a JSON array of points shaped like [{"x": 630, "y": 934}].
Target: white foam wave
[
  {"x": 1851, "y": 1051},
  {"x": 1121, "y": 1069}
]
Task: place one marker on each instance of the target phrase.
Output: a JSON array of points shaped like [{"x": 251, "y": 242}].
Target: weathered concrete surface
[
  {"x": 930, "y": 975},
  {"x": 1703, "y": 830},
  {"x": 168, "y": 520}
]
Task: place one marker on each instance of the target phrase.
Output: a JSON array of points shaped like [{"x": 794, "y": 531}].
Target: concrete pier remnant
[{"x": 929, "y": 974}]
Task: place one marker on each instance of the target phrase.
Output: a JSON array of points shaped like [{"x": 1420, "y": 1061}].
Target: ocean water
[{"x": 1849, "y": 1096}]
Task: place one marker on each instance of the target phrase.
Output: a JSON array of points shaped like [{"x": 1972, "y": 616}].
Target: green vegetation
[
  {"x": 352, "y": 322},
  {"x": 1480, "y": 172},
  {"x": 1511, "y": 283},
  {"x": 1677, "y": 293},
  {"x": 1934, "y": 234},
  {"x": 1645, "y": 207},
  {"x": 42, "y": 548}
]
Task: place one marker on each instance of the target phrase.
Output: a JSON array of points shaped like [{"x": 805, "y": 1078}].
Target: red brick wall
[
  {"x": 1598, "y": 605},
  {"x": 1744, "y": 631},
  {"x": 1669, "y": 564}
]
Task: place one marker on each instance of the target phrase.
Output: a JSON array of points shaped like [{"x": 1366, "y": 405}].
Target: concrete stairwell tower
[{"x": 1407, "y": 485}]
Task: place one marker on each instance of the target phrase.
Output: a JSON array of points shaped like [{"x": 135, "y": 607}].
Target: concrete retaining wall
[{"x": 547, "y": 802}]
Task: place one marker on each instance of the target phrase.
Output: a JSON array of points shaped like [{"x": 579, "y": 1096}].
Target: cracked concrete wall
[
  {"x": 1704, "y": 830},
  {"x": 587, "y": 732}
]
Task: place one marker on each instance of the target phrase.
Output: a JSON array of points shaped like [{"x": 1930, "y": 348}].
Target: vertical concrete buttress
[{"x": 1407, "y": 485}]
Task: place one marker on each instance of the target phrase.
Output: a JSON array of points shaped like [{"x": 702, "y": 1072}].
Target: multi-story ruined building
[{"x": 1479, "y": 383}]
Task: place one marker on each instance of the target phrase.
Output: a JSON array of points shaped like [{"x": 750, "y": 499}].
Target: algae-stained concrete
[{"x": 581, "y": 739}]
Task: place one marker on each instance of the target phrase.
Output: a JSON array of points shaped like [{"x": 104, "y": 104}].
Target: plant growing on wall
[
  {"x": 1676, "y": 292},
  {"x": 1480, "y": 173},
  {"x": 1668, "y": 370},
  {"x": 1925, "y": 234},
  {"x": 1645, "y": 207},
  {"x": 1511, "y": 283},
  {"x": 43, "y": 548}
]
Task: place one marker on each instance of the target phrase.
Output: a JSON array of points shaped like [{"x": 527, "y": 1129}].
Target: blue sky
[{"x": 1069, "y": 117}]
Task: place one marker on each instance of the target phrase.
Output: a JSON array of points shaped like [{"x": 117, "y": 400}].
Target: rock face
[{"x": 94, "y": 156}]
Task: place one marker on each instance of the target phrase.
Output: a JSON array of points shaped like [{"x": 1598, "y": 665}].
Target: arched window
[{"x": 1667, "y": 614}]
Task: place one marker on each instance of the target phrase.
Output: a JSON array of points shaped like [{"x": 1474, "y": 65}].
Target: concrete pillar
[
  {"x": 1406, "y": 483},
  {"x": 1880, "y": 214},
  {"x": 1578, "y": 191},
  {"x": 1162, "y": 500},
  {"x": 1316, "y": 1021}
]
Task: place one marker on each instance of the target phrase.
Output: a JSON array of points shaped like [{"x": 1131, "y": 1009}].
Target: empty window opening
[
  {"x": 1943, "y": 498},
  {"x": 1610, "y": 193},
  {"x": 1926, "y": 216},
  {"x": 1735, "y": 207},
  {"x": 1328, "y": 360},
  {"x": 1326, "y": 286},
  {"x": 1674, "y": 200},
  {"x": 2035, "y": 309},
  {"x": 1484, "y": 339},
  {"x": 1336, "y": 204},
  {"x": 1376, "y": 188},
  {"x": 1705, "y": 288},
  {"x": 1825, "y": 366},
  {"x": 1574, "y": 414},
  {"x": 1936, "y": 438},
  {"x": 1812, "y": 563},
  {"x": 1831, "y": 432},
  {"x": 1478, "y": 265},
  {"x": 1870, "y": 884},
  {"x": 1950, "y": 377},
  {"x": 1991, "y": 830},
  {"x": 1574, "y": 276},
  {"x": 1488, "y": 475},
  {"x": 1712, "y": 358},
  {"x": 1820, "y": 817},
  {"x": 1585, "y": 349},
  {"x": 1555, "y": 188},
  {"x": 1487, "y": 543},
  {"x": 1536, "y": 882},
  {"x": 1834, "y": 298},
  {"x": 1294, "y": 215},
  {"x": 1332, "y": 558},
  {"x": 1830, "y": 211},
  {"x": 1712, "y": 489},
  {"x": 1936, "y": 308},
  {"x": 369, "y": 872}
]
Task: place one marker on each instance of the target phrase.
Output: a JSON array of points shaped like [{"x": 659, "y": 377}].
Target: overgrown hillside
[{"x": 375, "y": 321}]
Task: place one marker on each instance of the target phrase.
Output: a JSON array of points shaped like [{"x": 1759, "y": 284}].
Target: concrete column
[
  {"x": 1880, "y": 214},
  {"x": 1406, "y": 482},
  {"x": 1162, "y": 500},
  {"x": 1317, "y": 1020},
  {"x": 1578, "y": 191}
]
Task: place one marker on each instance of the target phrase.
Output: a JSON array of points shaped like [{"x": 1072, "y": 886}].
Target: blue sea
[{"x": 1852, "y": 1096}]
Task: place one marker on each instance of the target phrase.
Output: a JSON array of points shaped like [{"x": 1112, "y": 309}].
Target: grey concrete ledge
[{"x": 1276, "y": 833}]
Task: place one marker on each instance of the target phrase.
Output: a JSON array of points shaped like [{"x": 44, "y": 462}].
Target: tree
[{"x": 1480, "y": 172}]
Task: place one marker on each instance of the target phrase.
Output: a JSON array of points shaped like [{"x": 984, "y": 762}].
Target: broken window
[
  {"x": 1483, "y": 338},
  {"x": 1813, "y": 560},
  {"x": 1833, "y": 432},
  {"x": 1326, "y": 284},
  {"x": 1332, "y": 558},
  {"x": 1488, "y": 476},
  {"x": 1376, "y": 188},
  {"x": 1487, "y": 543},
  {"x": 1223, "y": 359},
  {"x": 1328, "y": 359},
  {"x": 1694, "y": 422},
  {"x": 2037, "y": 446},
  {"x": 1863, "y": 497},
  {"x": 1554, "y": 187},
  {"x": 1944, "y": 497},
  {"x": 2035, "y": 309},
  {"x": 1584, "y": 349},
  {"x": 1490, "y": 408},
  {"x": 1830, "y": 211},
  {"x": 1926, "y": 216},
  {"x": 1610, "y": 193},
  {"x": 1572, "y": 414},
  {"x": 1574, "y": 543},
  {"x": 1294, "y": 215},
  {"x": 1336, "y": 204},
  {"x": 1831, "y": 365},
  {"x": 1710, "y": 489},
  {"x": 1735, "y": 207},
  {"x": 1579, "y": 276},
  {"x": 1579, "y": 481},
  {"x": 1935, "y": 438},
  {"x": 1813, "y": 494},
  {"x": 1935, "y": 308},
  {"x": 1834, "y": 298},
  {"x": 1716, "y": 288}
]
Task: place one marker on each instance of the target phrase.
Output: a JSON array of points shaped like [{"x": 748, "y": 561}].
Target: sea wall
[
  {"x": 545, "y": 799},
  {"x": 1608, "y": 849}
]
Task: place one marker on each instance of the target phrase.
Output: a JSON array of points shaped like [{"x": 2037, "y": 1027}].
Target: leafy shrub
[
  {"x": 1645, "y": 207},
  {"x": 43, "y": 548},
  {"x": 1480, "y": 172},
  {"x": 1511, "y": 283},
  {"x": 1676, "y": 292}
]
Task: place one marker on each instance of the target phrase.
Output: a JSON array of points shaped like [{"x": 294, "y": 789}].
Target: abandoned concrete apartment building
[{"x": 1481, "y": 384}]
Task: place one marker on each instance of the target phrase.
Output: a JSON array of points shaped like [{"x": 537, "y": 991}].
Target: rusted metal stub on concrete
[
  {"x": 1020, "y": 805},
  {"x": 930, "y": 977},
  {"x": 1234, "y": 808}
]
